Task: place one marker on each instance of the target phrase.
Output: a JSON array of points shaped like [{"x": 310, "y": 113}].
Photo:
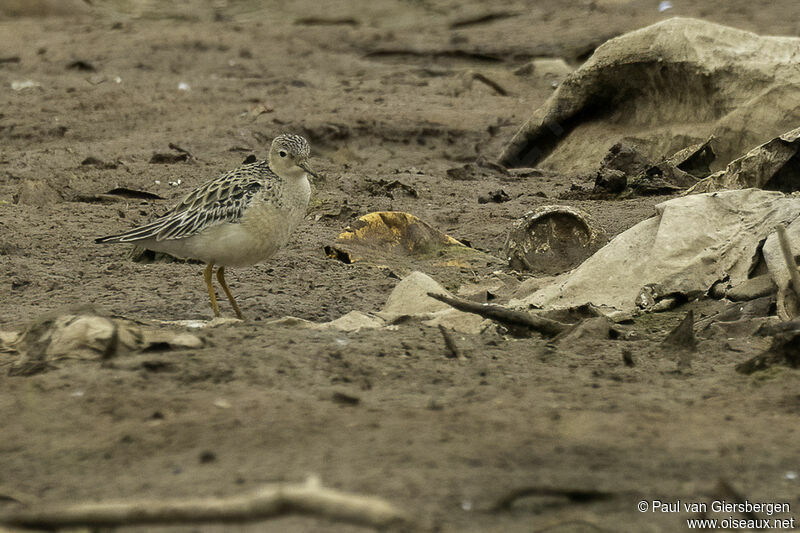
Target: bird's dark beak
[{"x": 305, "y": 166}]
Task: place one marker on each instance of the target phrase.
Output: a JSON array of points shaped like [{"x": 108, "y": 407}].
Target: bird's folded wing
[{"x": 222, "y": 200}]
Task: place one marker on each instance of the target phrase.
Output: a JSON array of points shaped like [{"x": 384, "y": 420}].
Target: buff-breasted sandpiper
[{"x": 241, "y": 218}]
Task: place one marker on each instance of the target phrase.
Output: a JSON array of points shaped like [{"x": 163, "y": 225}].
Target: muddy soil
[{"x": 384, "y": 91}]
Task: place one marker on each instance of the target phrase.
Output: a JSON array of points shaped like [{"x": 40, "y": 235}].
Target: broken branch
[
  {"x": 481, "y": 19},
  {"x": 450, "y": 343},
  {"x": 308, "y": 499},
  {"x": 491, "y": 83},
  {"x": 575, "y": 495},
  {"x": 517, "y": 321}
]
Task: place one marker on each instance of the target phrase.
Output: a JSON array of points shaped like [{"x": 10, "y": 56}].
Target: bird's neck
[
  {"x": 297, "y": 188},
  {"x": 293, "y": 174}
]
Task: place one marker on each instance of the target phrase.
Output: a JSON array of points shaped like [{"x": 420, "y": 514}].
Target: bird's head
[{"x": 288, "y": 156}]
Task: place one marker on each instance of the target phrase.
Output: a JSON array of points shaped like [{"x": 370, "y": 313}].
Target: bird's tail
[{"x": 110, "y": 239}]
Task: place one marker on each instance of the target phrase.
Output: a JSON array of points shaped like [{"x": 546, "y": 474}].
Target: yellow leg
[
  {"x": 211, "y": 294},
  {"x": 221, "y": 279}
]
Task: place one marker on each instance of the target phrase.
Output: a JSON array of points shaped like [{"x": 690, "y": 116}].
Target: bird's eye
[{"x": 282, "y": 153}]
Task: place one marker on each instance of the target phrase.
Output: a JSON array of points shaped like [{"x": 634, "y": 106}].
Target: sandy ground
[{"x": 442, "y": 438}]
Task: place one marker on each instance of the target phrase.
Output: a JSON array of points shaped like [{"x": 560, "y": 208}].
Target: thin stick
[
  {"x": 269, "y": 502},
  {"x": 515, "y": 320},
  {"x": 576, "y": 495},
  {"x": 788, "y": 256},
  {"x": 450, "y": 343},
  {"x": 491, "y": 83}
]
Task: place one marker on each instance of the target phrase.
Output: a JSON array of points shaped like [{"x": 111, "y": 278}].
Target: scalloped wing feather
[{"x": 221, "y": 200}]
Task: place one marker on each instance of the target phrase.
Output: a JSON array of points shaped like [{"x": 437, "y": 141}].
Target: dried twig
[
  {"x": 326, "y": 21},
  {"x": 491, "y": 83},
  {"x": 575, "y": 495},
  {"x": 788, "y": 256},
  {"x": 453, "y": 351},
  {"x": 518, "y": 322},
  {"x": 481, "y": 19},
  {"x": 269, "y": 502},
  {"x": 179, "y": 149}
]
